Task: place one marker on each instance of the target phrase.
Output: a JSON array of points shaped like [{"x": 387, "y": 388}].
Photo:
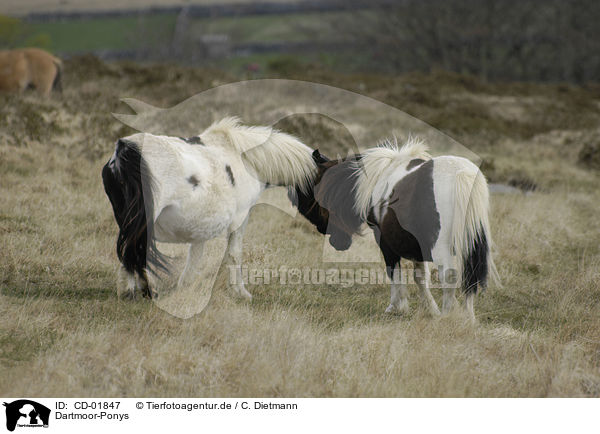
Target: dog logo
[{"x": 26, "y": 413}]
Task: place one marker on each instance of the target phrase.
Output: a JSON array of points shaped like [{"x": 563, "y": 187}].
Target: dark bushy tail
[
  {"x": 475, "y": 266},
  {"x": 127, "y": 183}
]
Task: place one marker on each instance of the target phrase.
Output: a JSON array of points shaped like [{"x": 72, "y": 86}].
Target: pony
[
  {"x": 420, "y": 208},
  {"x": 191, "y": 190},
  {"x": 30, "y": 68}
]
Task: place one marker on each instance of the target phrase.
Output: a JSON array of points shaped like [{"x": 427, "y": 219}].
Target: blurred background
[{"x": 533, "y": 40}]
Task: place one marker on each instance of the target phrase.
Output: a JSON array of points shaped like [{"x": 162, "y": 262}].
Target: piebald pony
[
  {"x": 192, "y": 190},
  {"x": 420, "y": 208}
]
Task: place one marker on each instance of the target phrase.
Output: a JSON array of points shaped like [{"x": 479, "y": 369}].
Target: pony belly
[{"x": 171, "y": 226}]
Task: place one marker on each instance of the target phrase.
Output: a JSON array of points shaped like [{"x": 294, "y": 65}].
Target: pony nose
[{"x": 340, "y": 243}]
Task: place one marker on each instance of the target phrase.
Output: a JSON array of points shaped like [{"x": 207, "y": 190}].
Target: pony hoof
[
  {"x": 397, "y": 309},
  {"x": 471, "y": 321},
  {"x": 435, "y": 312},
  {"x": 128, "y": 294},
  {"x": 150, "y": 294},
  {"x": 243, "y": 294}
]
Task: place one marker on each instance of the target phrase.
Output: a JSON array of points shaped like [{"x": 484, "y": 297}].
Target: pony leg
[
  {"x": 399, "y": 293},
  {"x": 448, "y": 299},
  {"x": 469, "y": 306},
  {"x": 421, "y": 276},
  {"x": 144, "y": 285},
  {"x": 126, "y": 283},
  {"x": 448, "y": 279},
  {"x": 234, "y": 257},
  {"x": 192, "y": 269}
]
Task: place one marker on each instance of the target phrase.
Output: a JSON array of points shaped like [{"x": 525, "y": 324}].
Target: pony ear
[{"x": 318, "y": 157}]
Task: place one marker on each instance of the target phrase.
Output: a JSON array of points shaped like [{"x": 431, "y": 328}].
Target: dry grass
[{"x": 60, "y": 318}]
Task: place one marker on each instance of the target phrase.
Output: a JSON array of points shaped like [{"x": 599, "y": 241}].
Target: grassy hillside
[
  {"x": 92, "y": 34},
  {"x": 539, "y": 335},
  {"x": 123, "y": 32},
  {"x": 39, "y": 6}
]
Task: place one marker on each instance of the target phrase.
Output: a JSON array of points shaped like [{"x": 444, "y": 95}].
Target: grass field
[
  {"x": 147, "y": 30},
  {"x": 537, "y": 336},
  {"x": 118, "y": 33},
  {"x": 28, "y": 6}
]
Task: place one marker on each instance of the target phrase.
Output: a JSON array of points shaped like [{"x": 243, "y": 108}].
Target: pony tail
[
  {"x": 57, "y": 83},
  {"x": 128, "y": 184},
  {"x": 471, "y": 236}
]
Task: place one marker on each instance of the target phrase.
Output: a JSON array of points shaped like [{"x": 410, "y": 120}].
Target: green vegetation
[
  {"x": 10, "y": 30},
  {"x": 301, "y": 27},
  {"x": 15, "y": 33},
  {"x": 116, "y": 33}
]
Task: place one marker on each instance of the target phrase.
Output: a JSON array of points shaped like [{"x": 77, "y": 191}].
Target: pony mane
[
  {"x": 375, "y": 162},
  {"x": 277, "y": 158}
]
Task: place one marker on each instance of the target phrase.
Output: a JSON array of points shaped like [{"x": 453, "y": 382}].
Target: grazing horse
[
  {"x": 191, "y": 190},
  {"x": 29, "y": 68},
  {"x": 420, "y": 208}
]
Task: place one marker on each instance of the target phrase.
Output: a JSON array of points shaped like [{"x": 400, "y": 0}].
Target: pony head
[{"x": 328, "y": 204}]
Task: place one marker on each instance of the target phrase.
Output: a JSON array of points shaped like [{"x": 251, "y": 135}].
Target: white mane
[
  {"x": 376, "y": 161},
  {"x": 278, "y": 158}
]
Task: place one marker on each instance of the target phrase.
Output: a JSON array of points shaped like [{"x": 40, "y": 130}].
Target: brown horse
[{"x": 29, "y": 68}]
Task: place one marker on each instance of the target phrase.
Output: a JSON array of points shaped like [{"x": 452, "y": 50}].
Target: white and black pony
[
  {"x": 191, "y": 190},
  {"x": 420, "y": 208}
]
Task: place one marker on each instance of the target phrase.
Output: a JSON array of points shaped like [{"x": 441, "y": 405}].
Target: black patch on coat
[
  {"x": 411, "y": 224},
  {"x": 230, "y": 174},
  {"x": 475, "y": 266},
  {"x": 194, "y": 140},
  {"x": 414, "y": 163},
  {"x": 335, "y": 193},
  {"x": 194, "y": 181},
  {"x": 128, "y": 186}
]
